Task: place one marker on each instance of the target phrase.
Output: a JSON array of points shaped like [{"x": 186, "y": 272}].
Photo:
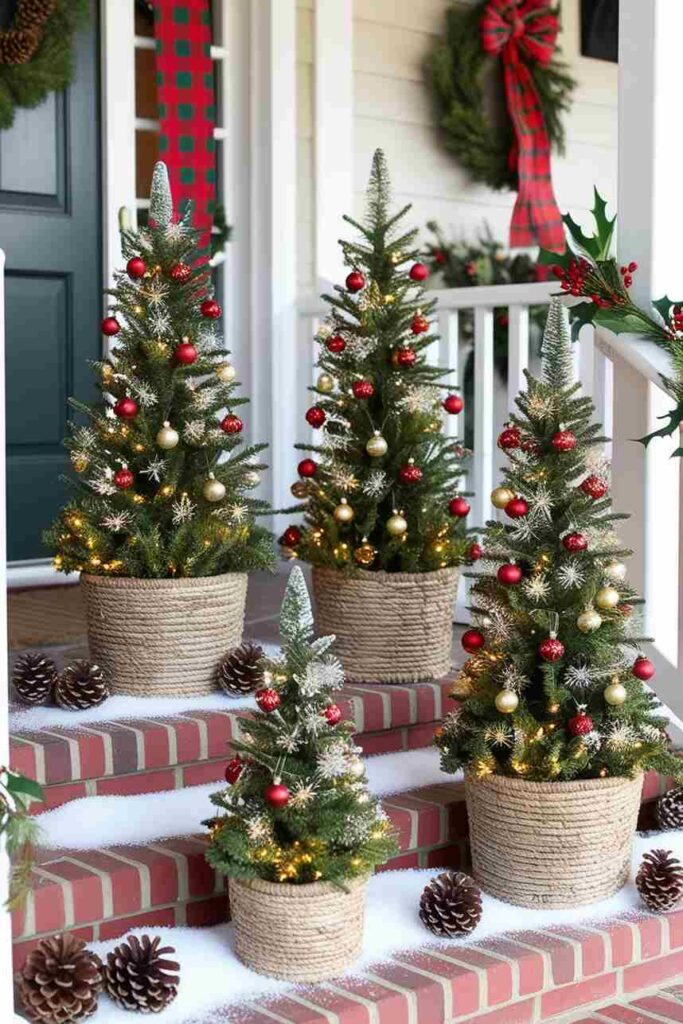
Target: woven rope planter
[
  {"x": 390, "y": 627},
  {"x": 297, "y": 932},
  {"x": 163, "y": 638},
  {"x": 552, "y": 844}
]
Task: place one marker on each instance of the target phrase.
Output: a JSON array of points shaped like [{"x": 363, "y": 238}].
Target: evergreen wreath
[
  {"x": 36, "y": 52},
  {"x": 457, "y": 71}
]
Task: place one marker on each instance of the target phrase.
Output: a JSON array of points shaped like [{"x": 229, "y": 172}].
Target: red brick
[
  {"x": 675, "y": 922},
  {"x": 621, "y": 938},
  {"x": 429, "y": 994},
  {"x": 91, "y": 753},
  {"x": 562, "y": 960},
  {"x": 566, "y": 997},
  {"x": 289, "y": 1010},
  {"x": 156, "y": 742},
  {"x": 220, "y": 728},
  {"x": 22, "y": 758},
  {"x": 517, "y": 1013},
  {"x": 138, "y": 782},
  {"x": 498, "y": 974},
  {"x": 421, "y": 735},
  {"x": 55, "y": 796},
  {"x": 530, "y": 965},
  {"x": 386, "y": 742},
  {"x": 641, "y": 976},
  {"x": 206, "y": 771},
  {"x": 650, "y": 929},
  {"x": 670, "y": 1009},
  {"x": 625, "y": 1015},
  {"x": 119, "y": 927},
  {"x": 593, "y": 948},
  {"x": 204, "y": 913},
  {"x": 392, "y": 1007},
  {"x": 21, "y": 950}
]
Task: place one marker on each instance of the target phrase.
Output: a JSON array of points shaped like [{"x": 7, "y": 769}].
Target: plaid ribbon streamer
[
  {"x": 522, "y": 32},
  {"x": 187, "y": 111}
]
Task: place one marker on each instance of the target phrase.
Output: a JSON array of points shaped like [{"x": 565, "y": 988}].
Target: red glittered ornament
[
  {"x": 231, "y": 424},
  {"x": 363, "y": 389},
  {"x": 291, "y": 537},
  {"x": 472, "y": 640},
  {"x": 268, "y": 699},
  {"x": 643, "y": 668},
  {"x": 333, "y": 714},
  {"x": 419, "y": 324},
  {"x": 404, "y": 356},
  {"x": 475, "y": 551},
  {"x": 210, "y": 308},
  {"x": 458, "y": 507},
  {"x": 276, "y": 794},
  {"x": 440, "y": 257},
  {"x": 574, "y": 542},
  {"x": 335, "y": 344},
  {"x": 509, "y": 574},
  {"x": 234, "y": 769},
  {"x": 563, "y": 441},
  {"x": 355, "y": 281},
  {"x": 580, "y": 725},
  {"x": 315, "y": 416},
  {"x": 409, "y": 474},
  {"x": 185, "y": 353},
  {"x": 516, "y": 508},
  {"x": 418, "y": 272},
  {"x": 551, "y": 649},
  {"x": 126, "y": 408},
  {"x": 136, "y": 268},
  {"x": 509, "y": 438},
  {"x": 453, "y": 404},
  {"x": 530, "y": 445},
  {"x": 594, "y": 487},
  {"x": 110, "y": 326},
  {"x": 123, "y": 478},
  {"x": 180, "y": 273},
  {"x": 307, "y": 467}
]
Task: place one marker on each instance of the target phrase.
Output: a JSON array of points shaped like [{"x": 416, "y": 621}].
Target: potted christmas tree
[
  {"x": 385, "y": 519},
  {"x": 161, "y": 525},
  {"x": 555, "y": 726},
  {"x": 299, "y": 834}
]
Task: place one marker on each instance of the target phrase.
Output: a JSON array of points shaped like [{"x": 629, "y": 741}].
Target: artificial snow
[{"x": 134, "y": 820}]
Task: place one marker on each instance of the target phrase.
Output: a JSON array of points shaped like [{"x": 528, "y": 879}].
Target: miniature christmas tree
[
  {"x": 554, "y": 688},
  {"x": 297, "y": 809},
  {"x": 382, "y": 492},
  {"x": 163, "y": 480}
]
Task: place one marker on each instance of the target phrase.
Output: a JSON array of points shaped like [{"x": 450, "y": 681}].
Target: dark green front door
[{"x": 50, "y": 230}]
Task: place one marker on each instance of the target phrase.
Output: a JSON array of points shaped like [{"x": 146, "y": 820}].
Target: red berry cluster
[
  {"x": 573, "y": 279},
  {"x": 627, "y": 273}
]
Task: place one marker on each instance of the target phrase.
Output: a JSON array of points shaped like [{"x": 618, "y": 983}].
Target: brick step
[
  {"x": 150, "y": 755},
  {"x": 658, "y": 1006},
  {"x": 100, "y": 893}
]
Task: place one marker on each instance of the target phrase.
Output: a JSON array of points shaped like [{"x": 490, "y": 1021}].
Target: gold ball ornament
[
  {"x": 365, "y": 554},
  {"x": 506, "y": 701},
  {"x": 343, "y": 513},
  {"x": 325, "y": 383},
  {"x": 213, "y": 490},
  {"x": 299, "y": 489},
  {"x": 167, "y": 437},
  {"x": 376, "y": 446},
  {"x": 80, "y": 465},
  {"x": 252, "y": 478},
  {"x": 500, "y": 496},
  {"x": 396, "y": 525},
  {"x": 607, "y": 598},
  {"x": 589, "y": 621},
  {"x": 616, "y": 570},
  {"x": 614, "y": 694},
  {"x": 226, "y": 373}
]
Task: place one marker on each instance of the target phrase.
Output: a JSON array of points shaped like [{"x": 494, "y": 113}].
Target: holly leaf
[
  {"x": 581, "y": 314},
  {"x": 550, "y": 259},
  {"x": 586, "y": 243},
  {"x": 674, "y": 417},
  {"x": 663, "y": 306},
  {"x": 604, "y": 224},
  {"x": 619, "y": 322}
]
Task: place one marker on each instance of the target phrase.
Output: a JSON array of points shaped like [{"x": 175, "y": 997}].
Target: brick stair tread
[{"x": 658, "y": 1006}]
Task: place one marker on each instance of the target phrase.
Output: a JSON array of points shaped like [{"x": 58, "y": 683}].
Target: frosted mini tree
[
  {"x": 554, "y": 687},
  {"x": 163, "y": 485},
  {"x": 297, "y": 809}
]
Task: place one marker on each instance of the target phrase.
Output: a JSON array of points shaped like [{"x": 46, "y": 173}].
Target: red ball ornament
[
  {"x": 335, "y": 344},
  {"x": 333, "y": 714},
  {"x": 594, "y": 487},
  {"x": 363, "y": 389},
  {"x": 210, "y": 308},
  {"x": 180, "y": 273},
  {"x": 551, "y": 649},
  {"x": 234, "y": 769},
  {"x": 405, "y": 356},
  {"x": 517, "y": 508},
  {"x": 459, "y": 508},
  {"x": 291, "y": 537},
  {"x": 580, "y": 725},
  {"x": 123, "y": 478},
  {"x": 126, "y": 408},
  {"x": 315, "y": 416},
  {"x": 509, "y": 438},
  {"x": 531, "y": 446},
  {"x": 419, "y": 324},
  {"x": 231, "y": 424},
  {"x": 268, "y": 699},
  {"x": 509, "y": 574},
  {"x": 453, "y": 404},
  {"x": 626, "y": 610},
  {"x": 472, "y": 640},
  {"x": 136, "y": 268},
  {"x": 418, "y": 272},
  {"x": 643, "y": 668},
  {"x": 307, "y": 467},
  {"x": 110, "y": 326},
  {"x": 185, "y": 353},
  {"x": 475, "y": 551},
  {"x": 276, "y": 794},
  {"x": 409, "y": 474},
  {"x": 355, "y": 281},
  {"x": 563, "y": 441},
  {"x": 574, "y": 542}
]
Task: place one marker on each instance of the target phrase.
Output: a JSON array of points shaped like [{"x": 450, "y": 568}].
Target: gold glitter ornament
[
  {"x": 500, "y": 496},
  {"x": 343, "y": 513},
  {"x": 506, "y": 701},
  {"x": 396, "y": 525},
  {"x": 607, "y": 598},
  {"x": 365, "y": 554}
]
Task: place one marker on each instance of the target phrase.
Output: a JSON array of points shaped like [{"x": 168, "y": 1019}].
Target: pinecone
[
  {"x": 660, "y": 880},
  {"x": 17, "y": 46},
  {"x": 241, "y": 670},
  {"x": 669, "y": 812},
  {"x": 451, "y": 904},
  {"x": 60, "y": 981},
  {"x": 138, "y": 978},
  {"x": 80, "y": 686},
  {"x": 32, "y": 14},
  {"x": 34, "y": 676}
]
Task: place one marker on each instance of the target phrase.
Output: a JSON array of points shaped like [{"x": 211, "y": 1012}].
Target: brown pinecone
[
  {"x": 137, "y": 977},
  {"x": 34, "y": 676},
  {"x": 451, "y": 904},
  {"x": 17, "y": 46},
  {"x": 80, "y": 686},
  {"x": 241, "y": 671},
  {"x": 669, "y": 811},
  {"x": 60, "y": 981},
  {"x": 32, "y": 14},
  {"x": 660, "y": 880}
]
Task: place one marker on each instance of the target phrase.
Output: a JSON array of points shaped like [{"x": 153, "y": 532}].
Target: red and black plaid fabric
[
  {"x": 187, "y": 111},
  {"x": 523, "y": 31}
]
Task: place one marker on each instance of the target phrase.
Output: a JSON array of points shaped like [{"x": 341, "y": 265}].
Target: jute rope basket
[
  {"x": 391, "y": 627},
  {"x": 297, "y": 932},
  {"x": 552, "y": 844},
  {"x": 163, "y": 638}
]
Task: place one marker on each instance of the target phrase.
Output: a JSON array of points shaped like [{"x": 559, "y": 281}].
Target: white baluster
[
  {"x": 482, "y": 475},
  {"x": 448, "y": 356},
  {"x": 518, "y": 351}
]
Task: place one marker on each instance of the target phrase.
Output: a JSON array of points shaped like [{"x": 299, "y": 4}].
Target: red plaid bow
[{"x": 523, "y": 31}]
